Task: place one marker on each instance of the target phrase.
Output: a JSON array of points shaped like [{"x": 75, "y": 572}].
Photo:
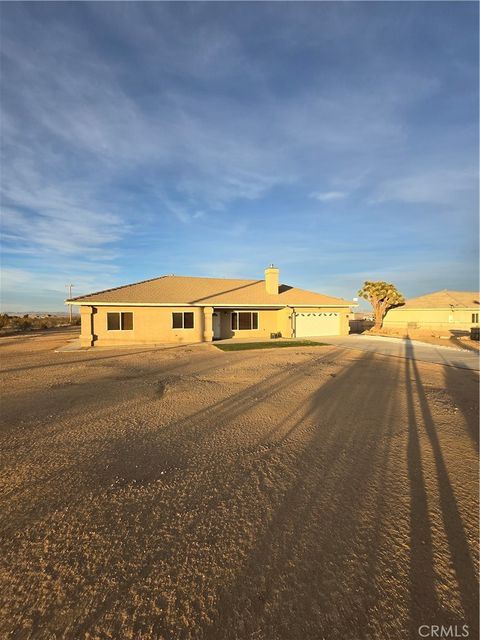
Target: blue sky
[{"x": 336, "y": 140}]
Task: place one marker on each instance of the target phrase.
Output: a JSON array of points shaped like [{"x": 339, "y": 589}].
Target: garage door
[{"x": 317, "y": 324}]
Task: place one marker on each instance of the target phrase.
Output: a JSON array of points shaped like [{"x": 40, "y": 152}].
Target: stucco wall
[
  {"x": 430, "y": 318},
  {"x": 276, "y": 321},
  {"x": 269, "y": 321},
  {"x": 153, "y": 325}
]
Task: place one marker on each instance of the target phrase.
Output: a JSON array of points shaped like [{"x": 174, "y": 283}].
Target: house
[
  {"x": 187, "y": 309},
  {"x": 441, "y": 310}
]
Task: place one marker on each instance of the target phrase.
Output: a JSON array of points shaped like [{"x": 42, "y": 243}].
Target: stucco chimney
[{"x": 271, "y": 279}]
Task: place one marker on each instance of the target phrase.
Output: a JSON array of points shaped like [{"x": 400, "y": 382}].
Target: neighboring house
[
  {"x": 184, "y": 309},
  {"x": 443, "y": 310},
  {"x": 361, "y": 321}
]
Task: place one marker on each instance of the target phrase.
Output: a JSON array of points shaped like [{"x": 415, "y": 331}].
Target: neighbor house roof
[
  {"x": 443, "y": 300},
  {"x": 207, "y": 291}
]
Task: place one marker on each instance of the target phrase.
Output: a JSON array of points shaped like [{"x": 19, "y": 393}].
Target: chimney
[{"x": 271, "y": 279}]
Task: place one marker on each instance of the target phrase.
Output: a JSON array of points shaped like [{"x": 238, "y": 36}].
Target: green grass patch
[{"x": 273, "y": 344}]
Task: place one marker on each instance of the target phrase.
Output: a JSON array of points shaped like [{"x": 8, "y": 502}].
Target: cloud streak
[
  {"x": 328, "y": 196},
  {"x": 136, "y": 135}
]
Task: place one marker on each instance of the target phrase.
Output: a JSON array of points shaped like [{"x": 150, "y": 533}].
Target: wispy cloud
[
  {"x": 138, "y": 136},
  {"x": 443, "y": 186},
  {"x": 327, "y": 196}
]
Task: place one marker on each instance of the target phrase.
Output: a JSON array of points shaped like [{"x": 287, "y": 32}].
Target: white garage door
[{"x": 317, "y": 324}]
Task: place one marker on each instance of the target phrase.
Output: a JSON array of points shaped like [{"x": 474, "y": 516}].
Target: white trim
[{"x": 218, "y": 305}]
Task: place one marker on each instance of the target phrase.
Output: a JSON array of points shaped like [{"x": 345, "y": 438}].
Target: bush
[{"x": 22, "y": 324}]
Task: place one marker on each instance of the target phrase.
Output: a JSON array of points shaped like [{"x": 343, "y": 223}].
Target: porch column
[
  {"x": 86, "y": 334},
  {"x": 208, "y": 324}
]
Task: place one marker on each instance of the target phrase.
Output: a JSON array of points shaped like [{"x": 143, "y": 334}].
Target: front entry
[{"x": 216, "y": 325}]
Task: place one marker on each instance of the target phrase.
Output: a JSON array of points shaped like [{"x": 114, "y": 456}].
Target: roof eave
[{"x": 96, "y": 303}]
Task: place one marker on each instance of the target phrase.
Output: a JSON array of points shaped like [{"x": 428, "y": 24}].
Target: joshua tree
[{"x": 382, "y": 296}]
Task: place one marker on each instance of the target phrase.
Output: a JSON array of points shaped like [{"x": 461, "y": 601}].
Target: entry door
[
  {"x": 216, "y": 325},
  {"x": 317, "y": 324}
]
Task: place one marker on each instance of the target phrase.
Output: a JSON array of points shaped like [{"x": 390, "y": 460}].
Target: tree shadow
[
  {"x": 96, "y": 358},
  {"x": 207, "y": 422},
  {"x": 425, "y": 607},
  {"x": 311, "y": 573},
  {"x": 119, "y": 450},
  {"x": 150, "y": 458}
]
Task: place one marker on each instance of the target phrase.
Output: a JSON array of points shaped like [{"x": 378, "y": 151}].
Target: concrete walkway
[{"x": 405, "y": 348}]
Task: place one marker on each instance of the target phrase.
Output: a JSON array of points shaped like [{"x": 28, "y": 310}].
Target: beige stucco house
[
  {"x": 442, "y": 310},
  {"x": 186, "y": 309}
]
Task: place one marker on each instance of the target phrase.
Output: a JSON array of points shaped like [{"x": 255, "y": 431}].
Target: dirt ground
[{"x": 187, "y": 493}]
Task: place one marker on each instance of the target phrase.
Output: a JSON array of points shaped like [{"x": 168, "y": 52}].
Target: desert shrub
[
  {"x": 4, "y": 320},
  {"x": 22, "y": 324}
]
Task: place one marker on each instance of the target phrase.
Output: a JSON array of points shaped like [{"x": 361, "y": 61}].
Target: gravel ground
[{"x": 187, "y": 493}]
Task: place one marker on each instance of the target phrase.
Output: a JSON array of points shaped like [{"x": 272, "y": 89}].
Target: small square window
[
  {"x": 188, "y": 320},
  {"x": 177, "y": 320},
  {"x": 113, "y": 321},
  {"x": 244, "y": 321},
  {"x": 127, "y": 321}
]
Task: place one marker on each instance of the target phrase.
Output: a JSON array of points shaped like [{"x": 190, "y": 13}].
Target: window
[
  {"x": 475, "y": 318},
  {"x": 113, "y": 321},
  {"x": 127, "y": 321},
  {"x": 120, "y": 321},
  {"x": 182, "y": 320},
  {"x": 244, "y": 320}
]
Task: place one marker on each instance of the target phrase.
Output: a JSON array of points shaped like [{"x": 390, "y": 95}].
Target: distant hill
[{"x": 42, "y": 314}]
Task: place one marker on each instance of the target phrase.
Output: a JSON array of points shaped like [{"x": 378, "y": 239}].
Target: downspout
[{"x": 293, "y": 322}]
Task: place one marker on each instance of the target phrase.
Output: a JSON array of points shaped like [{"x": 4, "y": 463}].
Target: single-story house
[
  {"x": 189, "y": 309},
  {"x": 442, "y": 310}
]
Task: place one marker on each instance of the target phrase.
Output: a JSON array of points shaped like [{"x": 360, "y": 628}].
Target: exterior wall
[
  {"x": 269, "y": 321},
  {"x": 151, "y": 325},
  {"x": 442, "y": 319},
  {"x": 275, "y": 321}
]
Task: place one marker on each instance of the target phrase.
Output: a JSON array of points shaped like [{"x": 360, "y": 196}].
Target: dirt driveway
[{"x": 189, "y": 493}]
